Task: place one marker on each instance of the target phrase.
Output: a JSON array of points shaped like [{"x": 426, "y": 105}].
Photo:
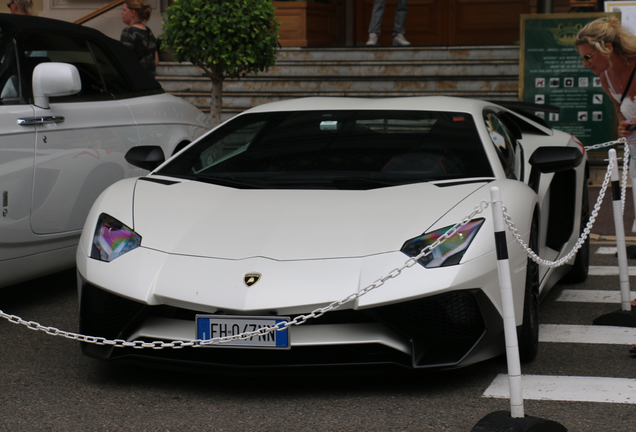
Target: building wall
[
  {"x": 109, "y": 23},
  {"x": 558, "y": 6},
  {"x": 38, "y": 7}
]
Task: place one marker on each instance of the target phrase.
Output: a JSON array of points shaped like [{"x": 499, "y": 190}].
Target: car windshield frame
[
  {"x": 10, "y": 82},
  {"x": 336, "y": 149}
]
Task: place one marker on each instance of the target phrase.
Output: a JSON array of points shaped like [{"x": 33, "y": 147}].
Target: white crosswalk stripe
[
  {"x": 592, "y": 296},
  {"x": 568, "y": 388},
  {"x": 606, "y": 250},
  {"x": 579, "y": 388},
  {"x": 563, "y": 333},
  {"x": 609, "y": 271}
]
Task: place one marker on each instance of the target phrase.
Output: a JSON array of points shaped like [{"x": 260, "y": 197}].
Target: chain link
[
  {"x": 625, "y": 173},
  {"x": 586, "y": 231},
  {"x": 301, "y": 319},
  {"x": 624, "y": 177},
  {"x": 606, "y": 144}
]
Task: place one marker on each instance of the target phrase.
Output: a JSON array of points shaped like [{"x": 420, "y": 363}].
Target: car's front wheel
[
  {"x": 580, "y": 269},
  {"x": 528, "y": 333}
]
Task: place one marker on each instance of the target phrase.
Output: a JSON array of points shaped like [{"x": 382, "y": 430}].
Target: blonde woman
[
  {"x": 609, "y": 50},
  {"x": 137, "y": 36}
]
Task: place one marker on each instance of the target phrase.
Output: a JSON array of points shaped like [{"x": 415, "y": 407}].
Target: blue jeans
[{"x": 378, "y": 11}]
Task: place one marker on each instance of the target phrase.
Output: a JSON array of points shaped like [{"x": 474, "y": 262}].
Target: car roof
[
  {"x": 125, "y": 59},
  {"x": 414, "y": 103},
  {"x": 424, "y": 103}
]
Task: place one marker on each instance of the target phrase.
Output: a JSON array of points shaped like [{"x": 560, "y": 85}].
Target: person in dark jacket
[{"x": 137, "y": 36}]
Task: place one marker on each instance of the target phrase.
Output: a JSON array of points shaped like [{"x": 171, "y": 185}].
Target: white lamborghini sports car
[{"x": 293, "y": 205}]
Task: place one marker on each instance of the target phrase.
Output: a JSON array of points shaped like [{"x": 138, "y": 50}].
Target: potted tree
[{"x": 225, "y": 38}]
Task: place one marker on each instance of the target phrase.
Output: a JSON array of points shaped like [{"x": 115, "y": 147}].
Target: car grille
[
  {"x": 443, "y": 330},
  {"x": 106, "y": 315}
]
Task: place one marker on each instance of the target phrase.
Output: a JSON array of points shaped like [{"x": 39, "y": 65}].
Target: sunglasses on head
[{"x": 9, "y": 4}]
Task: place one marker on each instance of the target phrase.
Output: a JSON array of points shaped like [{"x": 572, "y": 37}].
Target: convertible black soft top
[{"x": 139, "y": 79}]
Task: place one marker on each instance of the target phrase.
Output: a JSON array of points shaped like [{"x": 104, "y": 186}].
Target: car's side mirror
[
  {"x": 145, "y": 157},
  {"x": 552, "y": 159},
  {"x": 52, "y": 79}
]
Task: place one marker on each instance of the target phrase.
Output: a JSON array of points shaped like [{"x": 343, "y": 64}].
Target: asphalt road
[
  {"x": 604, "y": 225},
  {"x": 47, "y": 384}
]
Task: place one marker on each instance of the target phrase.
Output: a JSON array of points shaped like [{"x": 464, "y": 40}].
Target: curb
[{"x": 608, "y": 238}]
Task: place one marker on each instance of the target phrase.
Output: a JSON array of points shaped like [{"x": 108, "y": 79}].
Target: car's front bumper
[{"x": 447, "y": 330}]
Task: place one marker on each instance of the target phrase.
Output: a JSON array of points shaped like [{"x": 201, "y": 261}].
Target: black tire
[
  {"x": 581, "y": 267},
  {"x": 528, "y": 332}
]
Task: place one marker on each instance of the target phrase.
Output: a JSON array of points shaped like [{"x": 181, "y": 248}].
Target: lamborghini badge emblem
[{"x": 251, "y": 278}]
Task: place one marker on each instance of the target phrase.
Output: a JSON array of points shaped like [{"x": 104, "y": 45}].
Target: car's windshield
[{"x": 345, "y": 149}]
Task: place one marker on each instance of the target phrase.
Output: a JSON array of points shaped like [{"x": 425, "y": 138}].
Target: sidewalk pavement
[{"x": 604, "y": 228}]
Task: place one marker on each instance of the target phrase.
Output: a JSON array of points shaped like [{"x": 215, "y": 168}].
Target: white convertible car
[
  {"x": 72, "y": 103},
  {"x": 293, "y": 205}
]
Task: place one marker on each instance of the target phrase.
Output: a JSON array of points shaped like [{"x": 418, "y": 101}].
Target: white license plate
[{"x": 216, "y": 326}]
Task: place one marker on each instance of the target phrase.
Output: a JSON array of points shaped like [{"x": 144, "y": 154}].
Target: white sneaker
[
  {"x": 373, "y": 39},
  {"x": 399, "y": 40}
]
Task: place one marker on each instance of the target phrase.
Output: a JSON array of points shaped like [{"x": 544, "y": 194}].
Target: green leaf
[{"x": 227, "y": 38}]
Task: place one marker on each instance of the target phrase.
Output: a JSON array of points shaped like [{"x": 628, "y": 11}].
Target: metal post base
[
  {"x": 631, "y": 250},
  {"x": 501, "y": 421},
  {"x": 620, "y": 318}
]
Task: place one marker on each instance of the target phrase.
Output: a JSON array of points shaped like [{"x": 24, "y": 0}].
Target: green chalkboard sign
[{"x": 552, "y": 73}]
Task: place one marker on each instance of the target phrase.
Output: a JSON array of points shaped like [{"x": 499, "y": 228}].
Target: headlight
[
  {"x": 112, "y": 239},
  {"x": 448, "y": 253}
]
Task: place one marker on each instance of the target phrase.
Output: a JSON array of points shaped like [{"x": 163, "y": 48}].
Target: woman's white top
[{"x": 628, "y": 107}]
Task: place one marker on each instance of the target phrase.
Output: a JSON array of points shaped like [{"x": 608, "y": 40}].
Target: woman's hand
[{"x": 625, "y": 126}]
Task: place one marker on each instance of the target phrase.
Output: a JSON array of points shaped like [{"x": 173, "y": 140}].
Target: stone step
[
  {"x": 353, "y": 58},
  {"x": 384, "y": 70},
  {"x": 490, "y": 72},
  {"x": 395, "y": 54},
  {"x": 427, "y": 68},
  {"x": 338, "y": 86},
  {"x": 243, "y": 101}
]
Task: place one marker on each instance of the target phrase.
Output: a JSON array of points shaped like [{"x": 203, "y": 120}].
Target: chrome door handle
[{"x": 37, "y": 121}]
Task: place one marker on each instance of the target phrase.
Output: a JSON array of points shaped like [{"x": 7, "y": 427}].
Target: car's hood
[{"x": 199, "y": 219}]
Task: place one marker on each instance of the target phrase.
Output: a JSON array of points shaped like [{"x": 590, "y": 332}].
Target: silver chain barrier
[
  {"x": 625, "y": 164},
  {"x": 606, "y": 144},
  {"x": 588, "y": 227},
  {"x": 624, "y": 177},
  {"x": 301, "y": 319}
]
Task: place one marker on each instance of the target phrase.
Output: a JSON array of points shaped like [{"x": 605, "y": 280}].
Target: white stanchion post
[
  {"x": 507, "y": 304},
  {"x": 634, "y": 200},
  {"x": 623, "y": 271},
  {"x": 632, "y": 176}
]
